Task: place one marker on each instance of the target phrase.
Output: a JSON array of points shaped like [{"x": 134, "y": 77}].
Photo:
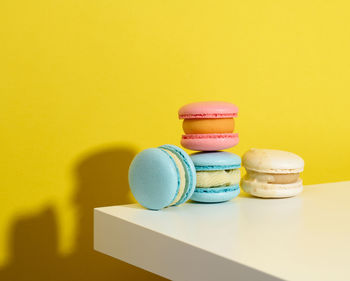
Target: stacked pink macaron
[{"x": 208, "y": 126}]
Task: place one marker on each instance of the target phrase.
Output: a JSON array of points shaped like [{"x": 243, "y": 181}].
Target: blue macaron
[
  {"x": 218, "y": 176},
  {"x": 162, "y": 177}
]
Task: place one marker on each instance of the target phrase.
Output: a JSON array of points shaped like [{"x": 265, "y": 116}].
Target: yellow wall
[{"x": 87, "y": 84}]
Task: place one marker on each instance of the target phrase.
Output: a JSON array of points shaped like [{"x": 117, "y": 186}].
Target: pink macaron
[{"x": 208, "y": 126}]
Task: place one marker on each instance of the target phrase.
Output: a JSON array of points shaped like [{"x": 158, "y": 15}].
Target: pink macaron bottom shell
[{"x": 209, "y": 142}]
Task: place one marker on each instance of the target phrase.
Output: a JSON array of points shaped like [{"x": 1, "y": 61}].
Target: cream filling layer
[
  {"x": 182, "y": 176},
  {"x": 272, "y": 178},
  {"x": 207, "y": 179}
]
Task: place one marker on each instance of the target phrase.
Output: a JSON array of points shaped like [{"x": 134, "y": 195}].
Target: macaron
[
  {"x": 218, "y": 176},
  {"x": 272, "y": 173},
  {"x": 162, "y": 177},
  {"x": 208, "y": 126}
]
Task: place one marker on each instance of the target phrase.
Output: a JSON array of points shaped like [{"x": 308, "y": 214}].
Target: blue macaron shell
[
  {"x": 215, "y": 195},
  {"x": 190, "y": 171},
  {"x": 216, "y": 160},
  {"x": 154, "y": 178}
]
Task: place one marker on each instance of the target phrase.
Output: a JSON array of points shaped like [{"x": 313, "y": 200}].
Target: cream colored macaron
[{"x": 272, "y": 173}]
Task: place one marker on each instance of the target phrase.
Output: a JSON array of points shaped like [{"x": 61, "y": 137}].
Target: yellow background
[{"x": 85, "y": 85}]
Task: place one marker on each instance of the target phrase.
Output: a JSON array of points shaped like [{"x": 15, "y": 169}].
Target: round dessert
[
  {"x": 162, "y": 177},
  {"x": 208, "y": 126},
  {"x": 272, "y": 173},
  {"x": 218, "y": 176}
]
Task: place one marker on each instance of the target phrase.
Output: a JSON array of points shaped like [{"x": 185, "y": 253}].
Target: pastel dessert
[
  {"x": 162, "y": 177},
  {"x": 208, "y": 126},
  {"x": 218, "y": 176},
  {"x": 272, "y": 173}
]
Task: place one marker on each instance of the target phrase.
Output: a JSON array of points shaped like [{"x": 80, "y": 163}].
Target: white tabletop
[{"x": 302, "y": 238}]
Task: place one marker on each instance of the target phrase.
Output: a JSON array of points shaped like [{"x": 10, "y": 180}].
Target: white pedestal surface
[{"x": 302, "y": 238}]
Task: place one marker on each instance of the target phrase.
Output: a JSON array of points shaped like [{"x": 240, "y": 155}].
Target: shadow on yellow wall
[{"x": 101, "y": 180}]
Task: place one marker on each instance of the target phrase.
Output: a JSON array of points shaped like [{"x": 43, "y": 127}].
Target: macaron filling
[
  {"x": 182, "y": 176},
  {"x": 222, "y": 178},
  {"x": 208, "y": 126},
  {"x": 272, "y": 178}
]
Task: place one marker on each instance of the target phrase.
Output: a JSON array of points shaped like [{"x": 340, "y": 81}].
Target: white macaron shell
[
  {"x": 267, "y": 190},
  {"x": 272, "y": 161}
]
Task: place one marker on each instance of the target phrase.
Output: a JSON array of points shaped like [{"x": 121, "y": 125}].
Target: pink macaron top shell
[{"x": 208, "y": 109}]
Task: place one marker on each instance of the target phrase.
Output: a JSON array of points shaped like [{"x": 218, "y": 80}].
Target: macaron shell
[
  {"x": 267, "y": 190},
  {"x": 208, "y": 109},
  {"x": 215, "y": 195},
  {"x": 272, "y": 161},
  {"x": 215, "y": 160},
  {"x": 154, "y": 178},
  {"x": 189, "y": 170},
  {"x": 209, "y": 142}
]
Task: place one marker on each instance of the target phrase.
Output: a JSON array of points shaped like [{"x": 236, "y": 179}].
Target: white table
[{"x": 302, "y": 238}]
